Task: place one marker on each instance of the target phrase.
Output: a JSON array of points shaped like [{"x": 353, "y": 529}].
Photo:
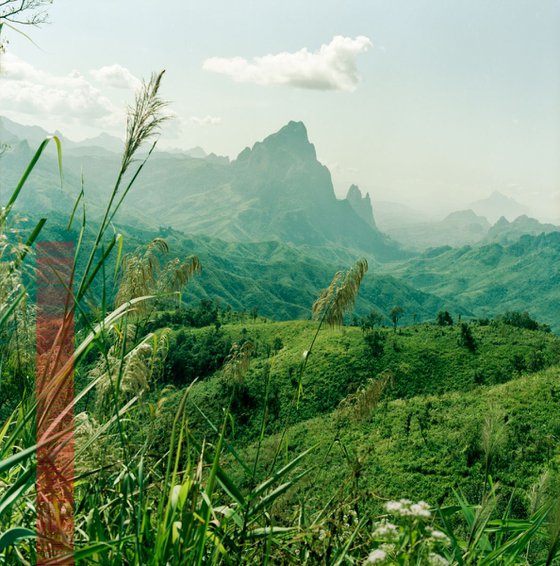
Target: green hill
[
  {"x": 422, "y": 360},
  {"x": 280, "y": 281},
  {"x": 424, "y": 447},
  {"x": 493, "y": 278}
]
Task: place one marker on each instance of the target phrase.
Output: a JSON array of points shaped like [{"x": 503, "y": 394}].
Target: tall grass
[{"x": 129, "y": 509}]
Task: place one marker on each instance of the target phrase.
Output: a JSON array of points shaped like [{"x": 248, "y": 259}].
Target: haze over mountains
[
  {"x": 276, "y": 193},
  {"x": 276, "y": 190}
]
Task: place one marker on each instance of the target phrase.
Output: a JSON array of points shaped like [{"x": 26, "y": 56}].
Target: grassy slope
[
  {"x": 434, "y": 397},
  {"x": 396, "y": 459},
  {"x": 424, "y": 359}
]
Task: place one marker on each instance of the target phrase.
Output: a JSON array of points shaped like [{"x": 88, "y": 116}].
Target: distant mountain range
[
  {"x": 509, "y": 232},
  {"x": 497, "y": 205},
  {"x": 271, "y": 231},
  {"x": 12, "y": 132},
  {"x": 462, "y": 228},
  {"x": 277, "y": 190},
  {"x": 492, "y": 278},
  {"x": 456, "y": 229}
]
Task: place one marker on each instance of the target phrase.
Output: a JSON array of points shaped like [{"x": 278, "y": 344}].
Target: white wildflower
[
  {"x": 405, "y": 508},
  {"x": 438, "y": 535},
  {"x": 386, "y": 531},
  {"x": 420, "y": 510},
  {"x": 393, "y": 507},
  {"x": 437, "y": 560},
  {"x": 376, "y": 557}
]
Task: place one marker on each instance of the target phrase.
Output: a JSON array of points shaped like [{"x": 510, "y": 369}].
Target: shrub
[{"x": 522, "y": 320}]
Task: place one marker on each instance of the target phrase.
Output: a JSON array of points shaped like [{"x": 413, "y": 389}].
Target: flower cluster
[
  {"x": 378, "y": 556},
  {"x": 408, "y": 537},
  {"x": 386, "y": 531},
  {"x": 406, "y": 508}
]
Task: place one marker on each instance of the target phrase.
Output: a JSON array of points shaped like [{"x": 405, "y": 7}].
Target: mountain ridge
[{"x": 275, "y": 190}]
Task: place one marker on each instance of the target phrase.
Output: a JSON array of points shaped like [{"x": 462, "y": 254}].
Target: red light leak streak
[{"x": 55, "y": 410}]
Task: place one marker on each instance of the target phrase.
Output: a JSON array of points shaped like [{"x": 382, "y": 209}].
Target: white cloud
[
  {"x": 116, "y": 76},
  {"x": 206, "y": 121},
  {"x": 27, "y": 90},
  {"x": 332, "y": 67}
]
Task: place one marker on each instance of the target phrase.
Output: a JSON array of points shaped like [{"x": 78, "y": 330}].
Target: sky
[{"x": 431, "y": 103}]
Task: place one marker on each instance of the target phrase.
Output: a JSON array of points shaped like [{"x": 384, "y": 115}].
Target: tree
[
  {"x": 522, "y": 320},
  {"x": 375, "y": 343},
  {"x": 396, "y": 313},
  {"x": 14, "y": 13},
  {"x": 373, "y": 339},
  {"x": 466, "y": 338},
  {"x": 370, "y": 321},
  {"x": 444, "y": 318},
  {"x": 24, "y": 12}
]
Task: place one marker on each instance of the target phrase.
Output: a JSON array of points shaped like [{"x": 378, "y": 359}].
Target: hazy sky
[{"x": 427, "y": 102}]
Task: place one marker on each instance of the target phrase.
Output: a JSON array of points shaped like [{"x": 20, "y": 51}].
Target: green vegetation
[
  {"x": 209, "y": 436},
  {"x": 428, "y": 446},
  {"x": 494, "y": 278},
  {"x": 421, "y": 360}
]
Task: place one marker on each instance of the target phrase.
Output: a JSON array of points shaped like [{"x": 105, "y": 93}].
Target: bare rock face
[{"x": 361, "y": 205}]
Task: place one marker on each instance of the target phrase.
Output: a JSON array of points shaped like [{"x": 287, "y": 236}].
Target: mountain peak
[
  {"x": 497, "y": 205},
  {"x": 290, "y": 142},
  {"x": 354, "y": 192},
  {"x": 292, "y": 137},
  {"x": 294, "y": 128},
  {"x": 361, "y": 204}
]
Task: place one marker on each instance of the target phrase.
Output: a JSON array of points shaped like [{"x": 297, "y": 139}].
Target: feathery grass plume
[
  {"x": 493, "y": 438},
  {"x": 144, "y": 118},
  {"x": 237, "y": 363},
  {"x": 139, "y": 271},
  {"x": 331, "y": 306},
  {"x": 538, "y": 494},
  {"x": 95, "y": 446},
  {"x": 129, "y": 375},
  {"x": 339, "y": 297},
  {"x": 360, "y": 405},
  {"x": 142, "y": 273},
  {"x": 143, "y": 122},
  {"x": 176, "y": 274}
]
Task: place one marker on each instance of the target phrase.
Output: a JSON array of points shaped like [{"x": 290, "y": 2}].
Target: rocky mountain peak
[
  {"x": 361, "y": 204},
  {"x": 290, "y": 143}
]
